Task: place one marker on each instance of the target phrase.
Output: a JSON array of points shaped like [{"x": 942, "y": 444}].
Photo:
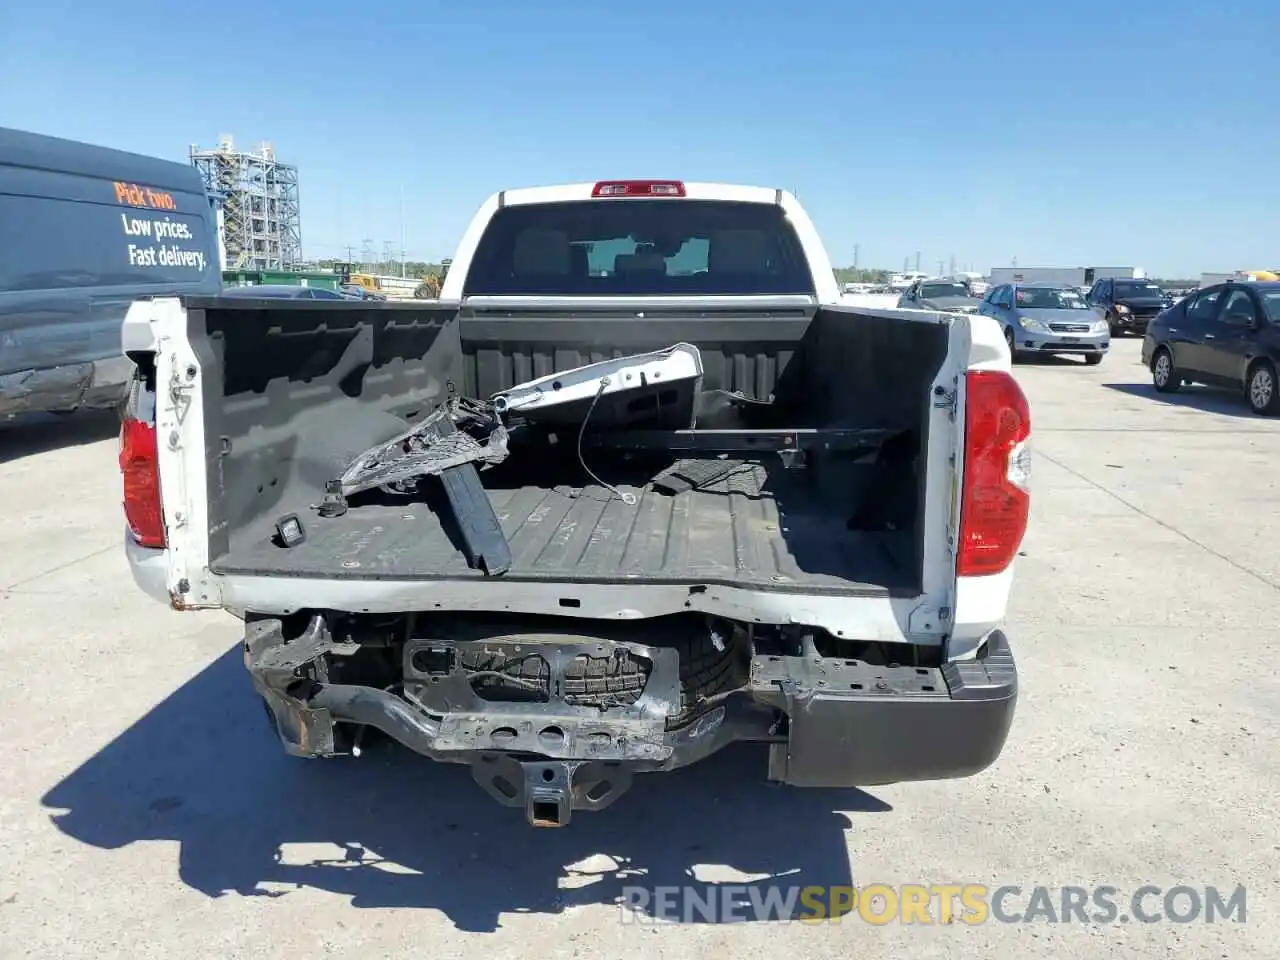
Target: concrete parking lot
[{"x": 145, "y": 811}]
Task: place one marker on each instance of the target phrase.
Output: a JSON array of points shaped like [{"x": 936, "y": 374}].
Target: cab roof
[{"x": 569, "y": 192}]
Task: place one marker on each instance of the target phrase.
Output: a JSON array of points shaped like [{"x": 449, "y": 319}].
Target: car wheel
[
  {"x": 1260, "y": 387},
  {"x": 1115, "y": 328},
  {"x": 1164, "y": 375},
  {"x": 1014, "y": 355},
  {"x": 1093, "y": 359}
]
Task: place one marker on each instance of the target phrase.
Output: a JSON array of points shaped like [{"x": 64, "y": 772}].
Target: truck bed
[
  {"x": 292, "y": 393},
  {"x": 756, "y": 528}
]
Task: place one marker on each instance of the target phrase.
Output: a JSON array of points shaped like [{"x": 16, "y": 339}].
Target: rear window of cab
[{"x": 639, "y": 247}]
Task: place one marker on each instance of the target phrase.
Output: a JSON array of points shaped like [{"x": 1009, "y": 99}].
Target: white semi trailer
[{"x": 1068, "y": 276}]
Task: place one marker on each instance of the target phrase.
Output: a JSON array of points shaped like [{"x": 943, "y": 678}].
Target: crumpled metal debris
[{"x": 461, "y": 431}]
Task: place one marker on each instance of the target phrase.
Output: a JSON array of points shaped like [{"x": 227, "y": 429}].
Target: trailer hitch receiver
[
  {"x": 548, "y": 800},
  {"x": 550, "y": 790}
]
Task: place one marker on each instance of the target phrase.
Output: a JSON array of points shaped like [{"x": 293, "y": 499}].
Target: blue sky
[{"x": 1141, "y": 133}]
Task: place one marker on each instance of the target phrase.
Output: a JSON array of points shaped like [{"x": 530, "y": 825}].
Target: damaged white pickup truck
[{"x": 637, "y": 486}]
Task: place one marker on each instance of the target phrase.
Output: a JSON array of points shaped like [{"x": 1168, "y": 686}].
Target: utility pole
[
  {"x": 953, "y": 264},
  {"x": 402, "y": 252},
  {"x": 856, "y": 248},
  {"x": 906, "y": 264},
  {"x": 939, "y": 267},
  {"x": 917, "y": 261}
]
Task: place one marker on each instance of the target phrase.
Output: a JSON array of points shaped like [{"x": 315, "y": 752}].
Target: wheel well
[{"x": 1254, "y": 364}]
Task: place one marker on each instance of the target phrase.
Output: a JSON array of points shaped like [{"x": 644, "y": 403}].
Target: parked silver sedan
[{"x": 1047, "y": 318}]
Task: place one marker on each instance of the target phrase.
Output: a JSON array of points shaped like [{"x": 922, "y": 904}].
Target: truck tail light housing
[
  {"x": 995, "y": 498},
  {"x": 140, "y": 473},
  {"x": 638, "y": 188}
]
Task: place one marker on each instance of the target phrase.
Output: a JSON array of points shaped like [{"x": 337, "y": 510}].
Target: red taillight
[
  {"x": 995, "y": 502},
  {"x": 140, "y": 469},
  {"x": 638, "y": 188}
]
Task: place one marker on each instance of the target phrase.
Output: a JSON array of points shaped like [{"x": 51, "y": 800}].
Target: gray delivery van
[{"x": 85, "y": 231}]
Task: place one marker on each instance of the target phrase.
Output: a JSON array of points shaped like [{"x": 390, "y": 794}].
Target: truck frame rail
[{"x": 578, "y": 738}]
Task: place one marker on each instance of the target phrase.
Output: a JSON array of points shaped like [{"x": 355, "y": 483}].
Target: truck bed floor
[{"x": 751, "y": 529}]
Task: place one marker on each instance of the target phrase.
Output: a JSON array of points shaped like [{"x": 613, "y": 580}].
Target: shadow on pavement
[
  {"x": 1207, "y": 399},
  {"x": 391, "y": 829},
  {"x": 31, "y": 434}
]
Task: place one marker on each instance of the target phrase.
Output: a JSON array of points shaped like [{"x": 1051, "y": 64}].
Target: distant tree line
[{"x": 861, "y": 275}]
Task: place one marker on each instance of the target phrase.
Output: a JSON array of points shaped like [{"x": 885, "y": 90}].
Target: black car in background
[
  {"x": 1226, "y": 335},
  {"x": 1127, "y": 305},
  {"x": 284, "y": 291}
]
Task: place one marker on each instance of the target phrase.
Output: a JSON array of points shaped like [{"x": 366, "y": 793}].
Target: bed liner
[{"x": 757, "y": 528}]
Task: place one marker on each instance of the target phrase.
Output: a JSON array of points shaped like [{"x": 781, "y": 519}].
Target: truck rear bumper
[
  {"x": 149, "y": 568},
  {"x": 852, "y": 724},
  {"x": 96, "y": 384},
  {"x": 829, "y": 723}
]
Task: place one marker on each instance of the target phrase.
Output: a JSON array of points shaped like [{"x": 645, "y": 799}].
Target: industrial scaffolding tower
[{"x": 262, "y": 220}]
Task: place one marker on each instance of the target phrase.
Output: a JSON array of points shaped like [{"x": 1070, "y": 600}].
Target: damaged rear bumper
[
  {"x": 829, "y": 722},
  {"x": 97, "y": 384}
]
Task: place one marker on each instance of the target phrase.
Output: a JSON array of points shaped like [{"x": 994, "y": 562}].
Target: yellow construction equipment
[{"x": 428, "y": 289}]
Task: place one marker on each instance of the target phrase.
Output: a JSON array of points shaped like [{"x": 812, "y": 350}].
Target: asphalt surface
[{"x": 146, "y": 812}]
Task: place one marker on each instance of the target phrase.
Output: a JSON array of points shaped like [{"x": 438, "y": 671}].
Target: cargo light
[
  {"x": 638, "y": 188},
  {"x": 995, "y": 499}
]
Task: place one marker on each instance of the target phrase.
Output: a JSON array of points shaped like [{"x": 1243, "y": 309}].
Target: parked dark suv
[{"x": 1127, "y": 305}]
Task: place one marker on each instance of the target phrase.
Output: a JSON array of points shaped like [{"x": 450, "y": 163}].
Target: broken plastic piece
[
  {"x": 439, "y": 445},
  {"x": 483, "y": 542},
  {"x": 439, "y": 442},
  {"x": 289, "y": 530},
  {"x": 334, "y": 503},
  {"x": 693, "y": 474}
]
